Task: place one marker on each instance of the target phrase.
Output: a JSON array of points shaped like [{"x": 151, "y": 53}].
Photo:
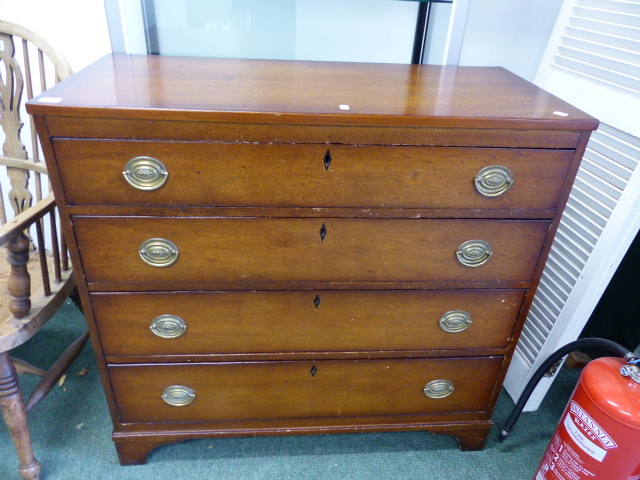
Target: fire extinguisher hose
[{"x": 602, "y": 343}]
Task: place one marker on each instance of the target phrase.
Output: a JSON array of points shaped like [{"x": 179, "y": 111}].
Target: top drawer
[{"x": 276, "y": 175}]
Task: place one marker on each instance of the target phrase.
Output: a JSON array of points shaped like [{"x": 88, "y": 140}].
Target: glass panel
[{"x": 340, "y": 30}]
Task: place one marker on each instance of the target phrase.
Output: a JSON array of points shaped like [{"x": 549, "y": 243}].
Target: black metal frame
[{"x": 420, "y": 36}]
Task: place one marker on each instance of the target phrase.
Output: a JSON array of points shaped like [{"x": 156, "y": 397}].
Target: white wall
[
  {"x": 509, "y": 33},
  {"x": 78, "y": 28}
]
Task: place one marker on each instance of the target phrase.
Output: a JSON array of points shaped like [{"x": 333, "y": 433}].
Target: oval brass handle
[
  {"x": 168, "y": 326},
  {"x": 145, "y": 173},
  {"x": 178, "y": 395},
  {"x": 493, "y": 181},
  {"x": 438, "y": 389},
  {"x": 455, "y": 321},
  {"x": 474, "y": 253},
  {"x": 158, "y": 252}
]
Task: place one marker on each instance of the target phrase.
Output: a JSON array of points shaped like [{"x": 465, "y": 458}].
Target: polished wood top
[{"x": 320, "y": 93}]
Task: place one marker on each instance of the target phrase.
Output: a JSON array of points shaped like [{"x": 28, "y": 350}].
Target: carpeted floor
[{"x": 71, "y": 433}]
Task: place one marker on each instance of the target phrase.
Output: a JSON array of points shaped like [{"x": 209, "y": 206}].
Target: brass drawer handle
[
  {"x": 474, "y": 253},
  {"x": 178, "y": 395},
  {"x": 158, "y": 252},
  {"x": 455, "y": 321},
  {"x": 168, "y": 326},
  {"x": 145, "y": 173},
  {"x": 493, "y": 181},
  {"x": 438, "y": 389}
]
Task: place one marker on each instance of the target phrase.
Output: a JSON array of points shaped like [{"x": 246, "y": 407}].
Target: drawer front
[
  {"x": 241, "y": 250},
  {"x": 214, "y": 174},
  {"x": 324, "y": 321},
  {"x": 322, "y": 389}
]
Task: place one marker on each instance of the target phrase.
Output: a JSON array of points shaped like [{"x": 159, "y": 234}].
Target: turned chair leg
[{"x": 15, "y": 416}]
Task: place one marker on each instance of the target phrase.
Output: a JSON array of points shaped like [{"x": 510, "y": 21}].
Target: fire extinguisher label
[
  {"x": 585, "y": 432},
  {"x": 582, "y": 441}
]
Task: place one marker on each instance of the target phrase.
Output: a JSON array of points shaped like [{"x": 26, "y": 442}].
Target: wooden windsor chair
[{"x": 36, "y": 278}]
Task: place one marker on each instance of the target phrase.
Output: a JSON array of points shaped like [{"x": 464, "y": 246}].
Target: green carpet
[{"x": 71, "y": 433}]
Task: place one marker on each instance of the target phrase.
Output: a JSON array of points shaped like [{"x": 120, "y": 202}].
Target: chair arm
[{"x": 21, "y": 163}]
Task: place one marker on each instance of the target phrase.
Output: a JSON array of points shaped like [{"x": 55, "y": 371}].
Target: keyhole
[
  {"x": 327, "y": 160},
  {"x": 323, "y": 232}
]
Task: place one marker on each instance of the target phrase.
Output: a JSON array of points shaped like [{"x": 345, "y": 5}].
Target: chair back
[{"x": 28, "y": 66}]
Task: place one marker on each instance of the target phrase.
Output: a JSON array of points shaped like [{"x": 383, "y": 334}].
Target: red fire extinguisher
[{"x": 598, "y": 436}]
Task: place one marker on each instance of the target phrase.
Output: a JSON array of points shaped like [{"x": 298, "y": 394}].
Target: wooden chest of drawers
[{"x": 270, "y": 247}]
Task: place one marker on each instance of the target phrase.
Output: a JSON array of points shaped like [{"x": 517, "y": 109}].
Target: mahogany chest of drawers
[{"x": 268, "y": 247}]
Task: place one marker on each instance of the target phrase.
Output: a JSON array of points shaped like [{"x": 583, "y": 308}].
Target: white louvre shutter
[{"x": 592, "y": 61}]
